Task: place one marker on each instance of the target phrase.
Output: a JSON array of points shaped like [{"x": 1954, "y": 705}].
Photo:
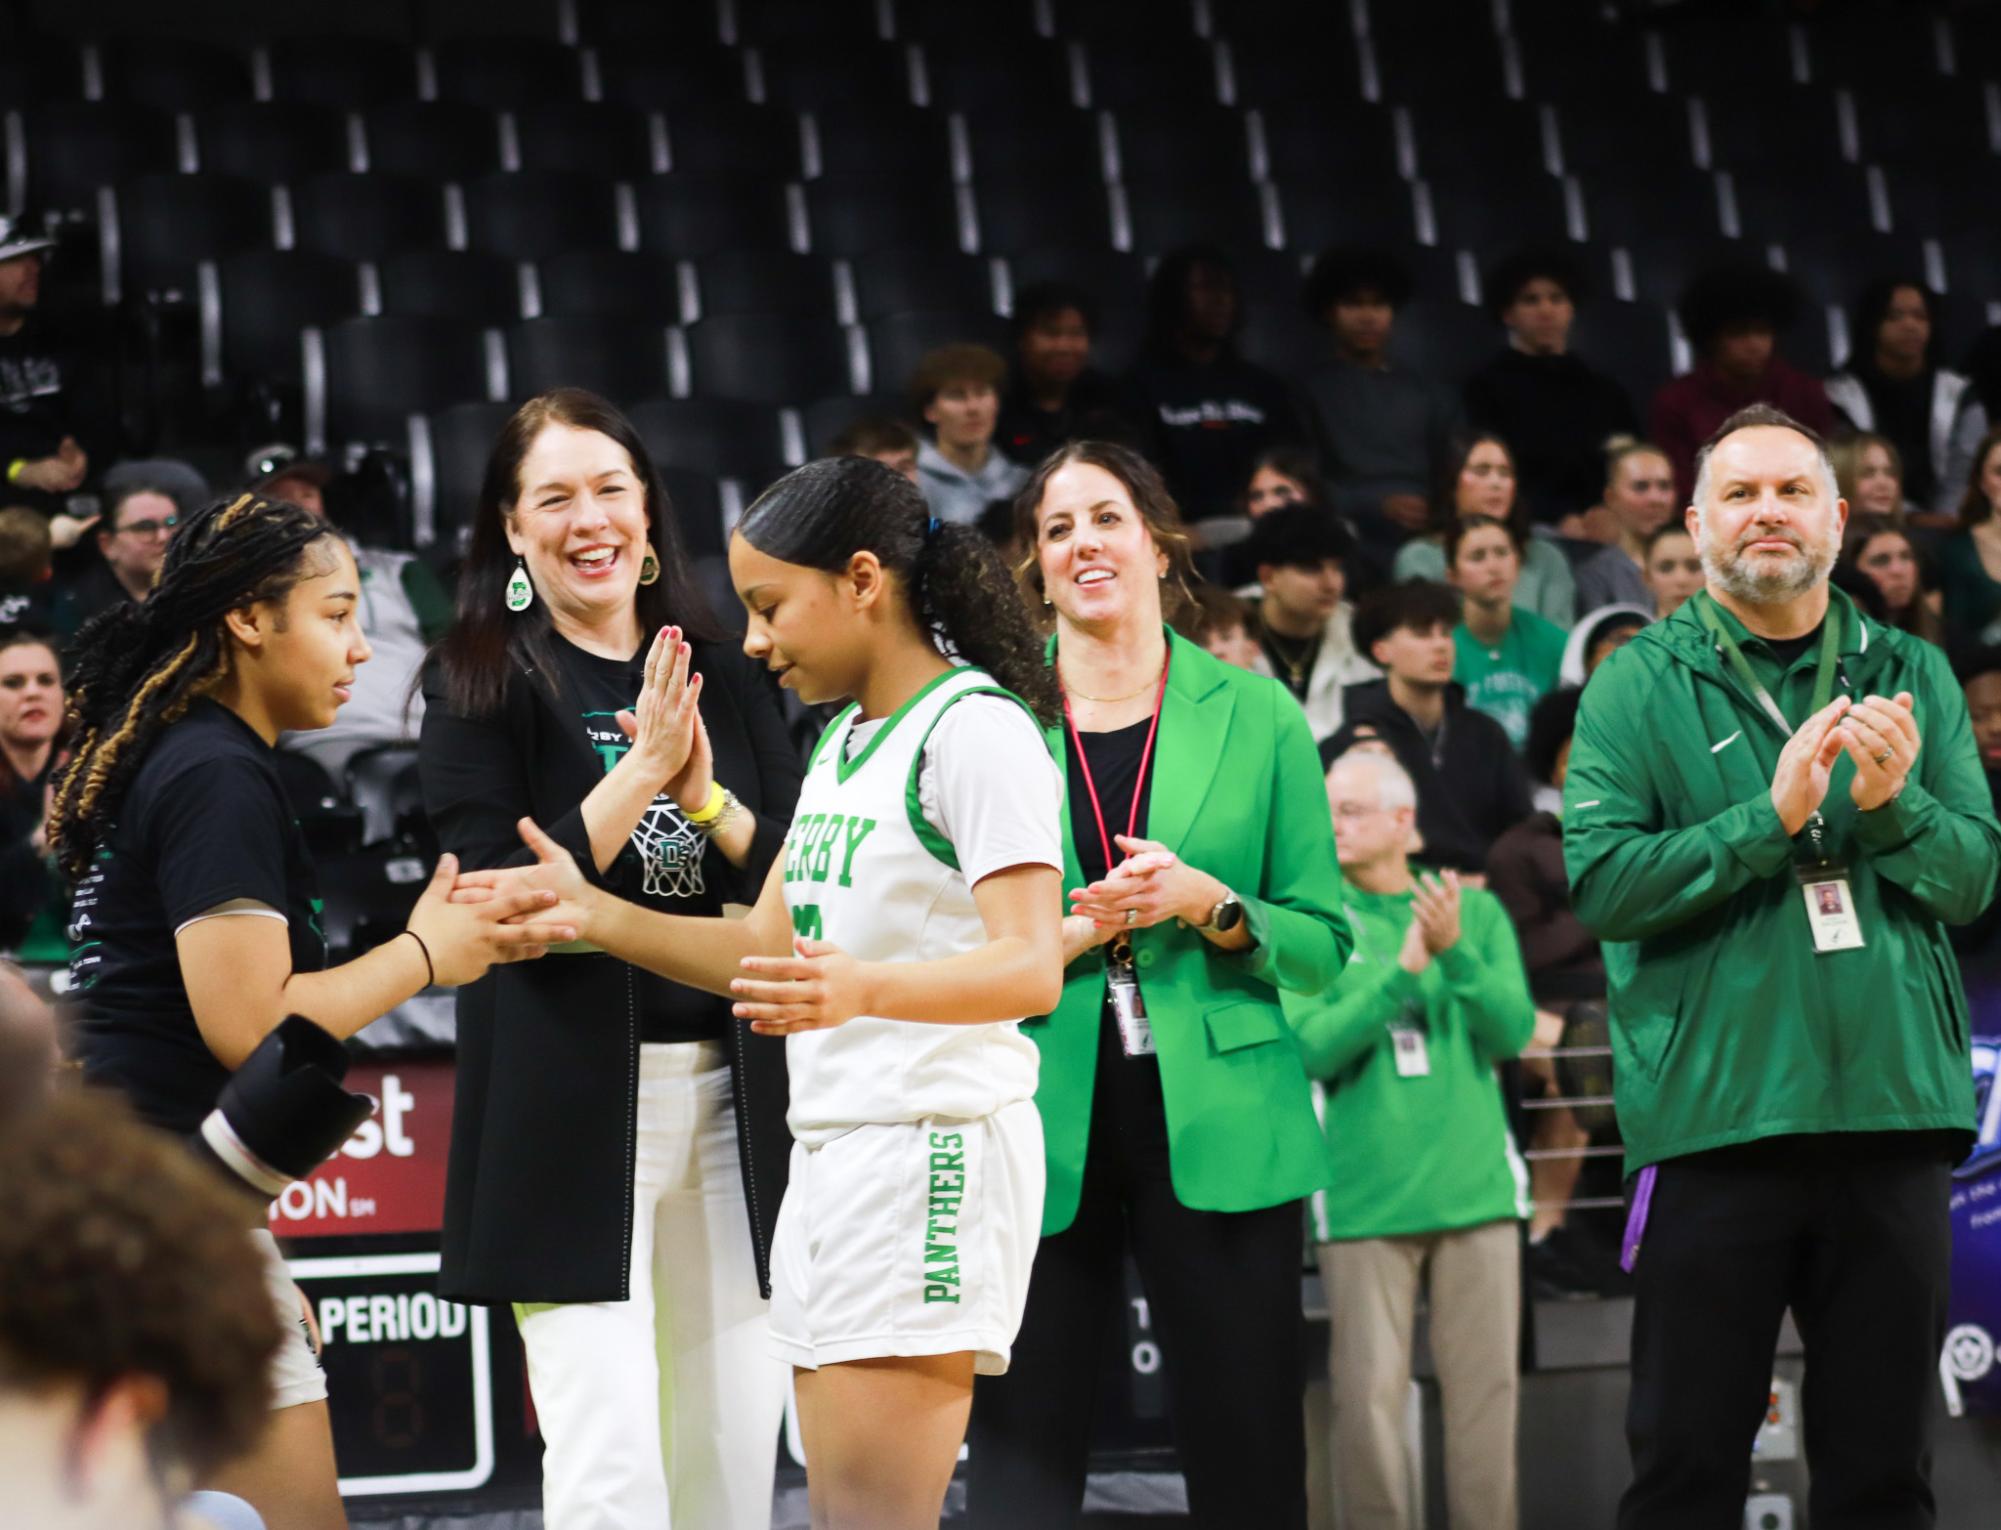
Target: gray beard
[{"x": 1726, "y": 570}]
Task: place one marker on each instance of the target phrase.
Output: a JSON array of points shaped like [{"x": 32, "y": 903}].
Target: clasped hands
[
  {"x": 1150, "y": 886},
  {"x": 1880, "y": 734}
]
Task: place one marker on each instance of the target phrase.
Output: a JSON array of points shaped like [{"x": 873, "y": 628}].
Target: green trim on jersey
[
  {"x": 845, "y": 767},
  {"x": 832, "y": 728},
  {"x": 913, "y": 802}
]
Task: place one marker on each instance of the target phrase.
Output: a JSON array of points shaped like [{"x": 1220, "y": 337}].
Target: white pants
[{"x": 663, "y": 1410}]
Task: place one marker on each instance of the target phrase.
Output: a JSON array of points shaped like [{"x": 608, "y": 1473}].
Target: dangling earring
[
  {"x": 520, "y": 593},
  {"x": 649, "y": 568}
]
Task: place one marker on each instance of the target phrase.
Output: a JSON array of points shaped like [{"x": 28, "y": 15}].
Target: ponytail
[
  {"x": 966, "y": 595},
  {"x": 960, "y": 593}
]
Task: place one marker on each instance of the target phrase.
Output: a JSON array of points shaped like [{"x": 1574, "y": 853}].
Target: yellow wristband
[
  {"x": 711, "y": 809},
  {"x": 16, "y": 468}
]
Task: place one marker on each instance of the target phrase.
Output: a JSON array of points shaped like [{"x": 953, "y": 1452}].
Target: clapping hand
[
  {"x": 1881, "y": 737},
  {"x": 1435, "y": 905},
  {"x": 462, "y": 937},
  {"x": 1806, "y": 765},
  {"x": 665, "y": 725},
  {"x": 564, "y": 899}
]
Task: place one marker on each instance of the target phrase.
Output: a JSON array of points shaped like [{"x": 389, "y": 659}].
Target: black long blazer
[{"x": 538, "y": 1190}]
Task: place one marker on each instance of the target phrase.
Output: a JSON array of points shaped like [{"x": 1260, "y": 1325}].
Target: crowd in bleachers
[{"x": 1422, "y": 311}]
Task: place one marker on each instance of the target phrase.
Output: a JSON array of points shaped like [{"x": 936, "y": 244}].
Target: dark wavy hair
[
  {"x": 136, "y": 668},
  {"x": 1167, "y": 295},
  {"x": 486, "y": 642},
  {"x": 820, "y": 515},
  {"x": 1148, "y": 491}
]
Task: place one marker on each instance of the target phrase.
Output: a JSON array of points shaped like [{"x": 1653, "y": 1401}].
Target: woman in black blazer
[{"x": 619, "y": 1145}]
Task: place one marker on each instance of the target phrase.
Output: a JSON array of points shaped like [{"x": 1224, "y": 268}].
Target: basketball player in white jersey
[{"x": 915, "y": 919}]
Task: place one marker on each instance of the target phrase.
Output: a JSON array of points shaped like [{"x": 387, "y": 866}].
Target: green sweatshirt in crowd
[
  {"x": 1417, "y": 1154},
  {"x": 1727, "y": 1024}
]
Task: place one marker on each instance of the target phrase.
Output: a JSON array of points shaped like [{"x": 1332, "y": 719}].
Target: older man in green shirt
[{"x": 1773, "y": 809}]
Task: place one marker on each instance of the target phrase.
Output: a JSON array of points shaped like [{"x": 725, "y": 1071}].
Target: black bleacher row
[{"x": 751, "y": 210}]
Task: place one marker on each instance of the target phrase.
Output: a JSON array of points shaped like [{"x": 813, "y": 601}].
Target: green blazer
[{"x": 1238, "y": 792}]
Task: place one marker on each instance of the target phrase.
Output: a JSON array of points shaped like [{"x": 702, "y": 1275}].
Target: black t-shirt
[
  {"x": 1903, "y": 410},
  {"x": 664, "y": 866},
  {"x": 205, "y": 822},
  {"x": 1785, "y": 650},
  {"x": 1114, "y": 759}
]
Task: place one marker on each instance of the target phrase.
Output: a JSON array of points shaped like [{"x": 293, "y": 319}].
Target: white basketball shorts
[{"x": 914, "y": 1238}]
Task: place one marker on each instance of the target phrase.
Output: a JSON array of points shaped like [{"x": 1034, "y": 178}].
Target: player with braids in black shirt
[{"x": 195, "y": 928}]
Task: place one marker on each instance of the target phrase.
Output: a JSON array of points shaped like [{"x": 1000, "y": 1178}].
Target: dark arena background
[{"x": 360, "y": 234}]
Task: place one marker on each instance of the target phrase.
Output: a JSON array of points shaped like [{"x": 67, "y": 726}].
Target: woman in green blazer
[{"x": 1177, "y": 1115}]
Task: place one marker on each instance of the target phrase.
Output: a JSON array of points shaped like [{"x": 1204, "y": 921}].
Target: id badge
[
  {"x": 1129, "y": 1010},
  {"x": 1413, "y": 1059},
  {"x": 1830, "y": 908}
]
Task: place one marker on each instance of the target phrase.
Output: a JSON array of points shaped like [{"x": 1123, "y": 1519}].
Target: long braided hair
[{"x": 137, "y": 667}]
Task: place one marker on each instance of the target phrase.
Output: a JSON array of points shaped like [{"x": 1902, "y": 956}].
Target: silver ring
[
  {"x": 1132, "y": 917},
  {"x": 1884, "y": 756}
]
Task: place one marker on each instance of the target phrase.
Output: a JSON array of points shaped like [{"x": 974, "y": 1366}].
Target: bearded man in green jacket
[{"x": 1774, "y": 807}]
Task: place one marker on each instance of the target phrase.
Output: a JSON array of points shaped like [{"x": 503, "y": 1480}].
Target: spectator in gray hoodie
[{"x": 957, "y": 392}]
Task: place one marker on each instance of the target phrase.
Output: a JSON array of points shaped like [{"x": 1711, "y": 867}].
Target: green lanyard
[{"x": 1823, "y": 681}]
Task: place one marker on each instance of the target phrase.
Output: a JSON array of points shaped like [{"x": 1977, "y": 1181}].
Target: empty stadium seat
[
  {"x": 826, "y": 418},
  {"x": 468, "y": 285},
  {"x": 894, "y": 281},
  {"x": 1021, "y": 214},
  {"x": 733, "y": 141},
  {"x": 724, "y": 438},
  {"x": 806, "y": 76},
  {"x": 505, "y": 73},
  {"x": 76, "y": 148},
  {"x": 607, "y": 283},
  {"x": 437, "y": 140},
  {"x": 697, "y": 510},
  {"x": 998, "y": 73},
  {"x": 1169, "y": 71},
  {"x": 379, "y": 371},
  {"x": 534, "y": 216},
  {"x": 170, "y": 223},
  {"x": 1203, "y": 145},
  {"x": 770, "y": 359},
  {"x": 1313, "y": 139},
  {"x": 693, "y": 217},
  {"x": 367, "y": 217},
  {"x": 1330, "y": 209},
  {"x": 255, "y": 304},
  {"x": 871, "y": 137},
  {"x": 448, "y": 452},
  {"x": 776, "y": 282},
  {"x": 267, "y": 141},
  {"x": 618, "y": 357},
  {"x": 1164, "y": 212},
  {"x": 764, "y": 22},
  {"x": 589, "y": 138},
  {"x": 851, "y": 215},
  {"x": 681, "y": 74},
  {"x": 348, "y": 73},
  {"x": 173, "y": 74}
]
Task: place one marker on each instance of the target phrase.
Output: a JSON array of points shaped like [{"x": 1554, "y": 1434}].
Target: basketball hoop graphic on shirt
[{"x": 670, "y": 850}]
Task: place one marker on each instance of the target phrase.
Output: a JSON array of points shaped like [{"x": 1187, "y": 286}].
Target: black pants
[
  {"x": 1223, "y": 1289},
  {"x": 1851, "y": 1232}
]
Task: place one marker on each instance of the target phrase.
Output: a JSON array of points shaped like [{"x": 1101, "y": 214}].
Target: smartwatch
[{"x": 1226, "y": 915}]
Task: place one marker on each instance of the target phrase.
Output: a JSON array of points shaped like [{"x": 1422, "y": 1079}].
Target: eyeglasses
[{"x": 150, "y": 528}]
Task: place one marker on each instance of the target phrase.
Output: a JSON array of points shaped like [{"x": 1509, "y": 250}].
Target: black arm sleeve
[{"x": 475, "y": 782}]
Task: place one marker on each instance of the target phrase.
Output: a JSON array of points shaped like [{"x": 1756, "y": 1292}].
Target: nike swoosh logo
[{"x": 1719, "y": 748}]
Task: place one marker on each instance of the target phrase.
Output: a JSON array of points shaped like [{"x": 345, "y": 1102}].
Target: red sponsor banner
[{"x": 389, "y": 1177}]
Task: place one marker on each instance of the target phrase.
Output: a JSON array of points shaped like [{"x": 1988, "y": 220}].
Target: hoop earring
[
  {"x": 520, "y": 593},
  {"x": 649, "y": 568}
]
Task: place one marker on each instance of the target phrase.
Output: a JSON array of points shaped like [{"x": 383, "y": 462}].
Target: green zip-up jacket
[
  {"x": 1727, "y": 1026},
  {"x": 1423, "y": 1154},
  {"x": 1237, "y": 791}
]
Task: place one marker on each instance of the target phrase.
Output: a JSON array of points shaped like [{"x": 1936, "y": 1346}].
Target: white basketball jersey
[{"x": 865, "y": 870}]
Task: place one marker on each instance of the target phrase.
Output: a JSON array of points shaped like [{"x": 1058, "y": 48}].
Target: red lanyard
[{"x": 1139, "y": 781}]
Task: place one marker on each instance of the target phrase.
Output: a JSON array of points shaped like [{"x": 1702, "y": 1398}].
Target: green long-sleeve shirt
[{"x": 1417, "y": 1154}]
